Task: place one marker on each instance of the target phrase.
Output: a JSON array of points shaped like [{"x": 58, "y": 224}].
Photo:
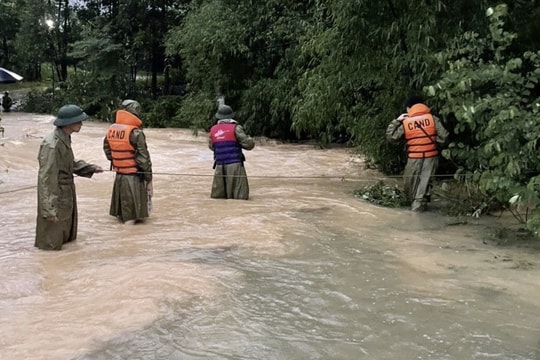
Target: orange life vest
[
  {"x": 122, "y": 152},
  {"x": 420, "y": 133}
]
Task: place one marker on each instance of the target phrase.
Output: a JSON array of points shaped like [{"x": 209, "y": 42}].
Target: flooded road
[{"x": 302, "y": 270}]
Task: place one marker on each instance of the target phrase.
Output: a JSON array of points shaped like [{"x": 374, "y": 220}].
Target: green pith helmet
[
  {"x": 132, "y": 106},
  {"x": 224, "y": 112},
  {"x": 69, "y": 114}
]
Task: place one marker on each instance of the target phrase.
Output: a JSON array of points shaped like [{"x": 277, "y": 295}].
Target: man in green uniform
[
  {"x": 227, "y": 140},
  {"x": 423, "y": 134},
  {"x": 125, "y": 146},
  {"x": 57, "y": 202}
]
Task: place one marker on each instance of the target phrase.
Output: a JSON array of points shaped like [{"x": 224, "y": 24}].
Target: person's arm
[
  {"x": 442, "y": 133},
  {"x": 142, "y": 156},
  {"x": 107, "y": 149},
  {"x": 48, "y": 188},
  {"x": 245, "y": 141},
  {"x": 394, "y": 131},
  {"x": 84, "y": 169},
  {"x": 108, "y": 152}
]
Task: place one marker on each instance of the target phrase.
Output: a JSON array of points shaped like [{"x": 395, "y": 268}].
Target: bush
[
  {"x": 382, "y": 194},
  {"x": 42, "y": 102},
  {"x": 162, "y": 112}
]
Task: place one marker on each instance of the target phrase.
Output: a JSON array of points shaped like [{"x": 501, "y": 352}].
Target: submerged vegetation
[{"x": 383, "y": 194}]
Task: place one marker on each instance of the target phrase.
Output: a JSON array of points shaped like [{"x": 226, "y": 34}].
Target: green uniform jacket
[
  {"x": 129, "y": 199},
  {"x": 56, "y": 191}
]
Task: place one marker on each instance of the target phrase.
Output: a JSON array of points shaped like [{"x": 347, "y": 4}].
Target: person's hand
[
  {"x": 402, "y": 117},
  {"x": 150, "y": 188},
  {"x": 53, "y": 219},
  {"x": 98, "y": 169}
]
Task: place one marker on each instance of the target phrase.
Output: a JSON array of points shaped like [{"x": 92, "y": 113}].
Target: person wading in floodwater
[
  {"x": 125, "y": 146},
  {"x": 423, "y": 134},
  {"x": 227, "y": 139},
  {"x": 57, "y": 201}
]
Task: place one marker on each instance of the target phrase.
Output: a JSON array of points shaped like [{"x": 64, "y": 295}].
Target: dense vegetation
[{"x": 325, "y": 70}]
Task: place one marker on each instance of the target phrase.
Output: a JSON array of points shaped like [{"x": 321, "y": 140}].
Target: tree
[
  {"x": 493, "y": 94},
  {"x": 246, "y": 53},
  {"x": 325, "y": 69},
  {"x": 9, "y": 26},
  {"x": 33, "y": 42},
  {"x": 369, "y": 57},
  {"x": 65, "y": 30}
]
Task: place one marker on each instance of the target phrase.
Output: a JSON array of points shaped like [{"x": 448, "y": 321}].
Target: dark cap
[{"x": 413, "y": 100}]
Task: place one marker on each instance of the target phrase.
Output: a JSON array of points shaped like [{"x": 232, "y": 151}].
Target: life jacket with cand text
[
  {"x": 227, "y": 150},
  {"x": 420, "y": 133},
  {"x": 122, "y": 152}
]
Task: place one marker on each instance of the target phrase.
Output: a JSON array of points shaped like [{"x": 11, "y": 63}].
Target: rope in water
[{"x": 317, "y": 177}]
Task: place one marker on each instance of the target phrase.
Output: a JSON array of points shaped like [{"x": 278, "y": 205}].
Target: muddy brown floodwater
[{"x": 303, "y": 270}]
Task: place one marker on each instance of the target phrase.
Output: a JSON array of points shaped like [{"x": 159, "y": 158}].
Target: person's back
[
  {"x": 227, "y": 139},
  {"x": 423, "y": 134},
  {"x": 125, "y": 146}
]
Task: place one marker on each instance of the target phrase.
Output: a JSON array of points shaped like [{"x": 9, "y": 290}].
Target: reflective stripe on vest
[
  {"x": 226, "y": 147},
  {"x": 420, "y": 135}
]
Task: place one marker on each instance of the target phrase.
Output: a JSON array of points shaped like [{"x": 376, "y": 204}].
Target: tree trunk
[{"x": 5, "y": 49}]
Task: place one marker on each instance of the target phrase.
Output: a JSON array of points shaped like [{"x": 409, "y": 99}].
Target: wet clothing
[
  {"x": 129, "y": 200},
  {"x": 227, "y": 139},
  {"x": 417, "y": 181},
  {"x": 56, "y": 191},
  {"x": 423, "y": 134}
]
